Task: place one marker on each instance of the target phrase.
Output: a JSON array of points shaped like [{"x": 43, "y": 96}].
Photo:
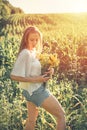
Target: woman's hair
[{"x": 24, "y": 41}]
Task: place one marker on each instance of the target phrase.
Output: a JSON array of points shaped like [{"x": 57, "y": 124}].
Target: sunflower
[{"x": 48, "y": 60}]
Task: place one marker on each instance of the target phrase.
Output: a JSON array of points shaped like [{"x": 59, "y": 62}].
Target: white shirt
[{"x": 27, "y": 65}]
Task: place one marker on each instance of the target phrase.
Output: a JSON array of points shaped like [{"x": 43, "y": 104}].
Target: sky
[{"x": 50, "y": 6}]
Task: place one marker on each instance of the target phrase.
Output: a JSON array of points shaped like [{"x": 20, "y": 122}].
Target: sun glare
[
  {"x": 79, "y": 6},
  {"x": 47, "y": 6},
  {"x": 75, "y": 6}
]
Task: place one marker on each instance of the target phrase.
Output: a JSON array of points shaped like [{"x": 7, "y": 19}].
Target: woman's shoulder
[{"x": 25, "y": 52}]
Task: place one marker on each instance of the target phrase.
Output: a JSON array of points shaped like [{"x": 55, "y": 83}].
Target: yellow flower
[{"x": 48, "y": 60}]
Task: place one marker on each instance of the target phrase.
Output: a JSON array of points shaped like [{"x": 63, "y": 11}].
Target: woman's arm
[{"x": 42, "y": 78}]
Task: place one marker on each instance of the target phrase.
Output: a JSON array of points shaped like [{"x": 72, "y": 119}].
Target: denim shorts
[{"x": 38, "y": 95}]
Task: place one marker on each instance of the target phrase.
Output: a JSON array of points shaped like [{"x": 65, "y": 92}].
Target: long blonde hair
[{"x": 24, "y": 41}]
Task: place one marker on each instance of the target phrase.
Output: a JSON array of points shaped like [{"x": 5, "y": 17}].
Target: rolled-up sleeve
[{"x": 21, "y": 64}]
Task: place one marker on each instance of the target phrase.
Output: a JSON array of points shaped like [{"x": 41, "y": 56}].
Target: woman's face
[{"x": 33, "y": 40}]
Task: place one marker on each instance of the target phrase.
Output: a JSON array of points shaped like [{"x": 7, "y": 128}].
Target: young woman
[{"x": 27, "y": 71}]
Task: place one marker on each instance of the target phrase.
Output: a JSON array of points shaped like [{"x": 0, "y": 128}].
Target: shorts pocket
[{"x": 39, "y": 90}]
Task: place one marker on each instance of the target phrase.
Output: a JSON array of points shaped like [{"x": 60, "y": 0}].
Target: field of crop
[{"x": 66, "y": 36}]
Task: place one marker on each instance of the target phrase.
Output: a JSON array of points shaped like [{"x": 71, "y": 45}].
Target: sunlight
[
  {"x": 47, "y": 6},
  {"x": 79, "y": 6}
]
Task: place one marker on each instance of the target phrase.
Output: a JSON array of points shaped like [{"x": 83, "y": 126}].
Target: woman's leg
[
  {"x": 53, "y": 107},
  {"x": 32, "y": 116}
]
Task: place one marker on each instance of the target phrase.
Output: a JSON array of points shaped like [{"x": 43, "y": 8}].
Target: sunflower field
[{"x": 65, "y": 41}]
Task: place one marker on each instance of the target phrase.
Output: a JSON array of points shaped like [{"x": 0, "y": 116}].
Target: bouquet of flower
[{"x": 48, "y": 61}]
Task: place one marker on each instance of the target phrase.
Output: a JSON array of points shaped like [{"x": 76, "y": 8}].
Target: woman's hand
[
  {"x": 50, "y": 71},
  {"x": 43, "y": 78}
]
